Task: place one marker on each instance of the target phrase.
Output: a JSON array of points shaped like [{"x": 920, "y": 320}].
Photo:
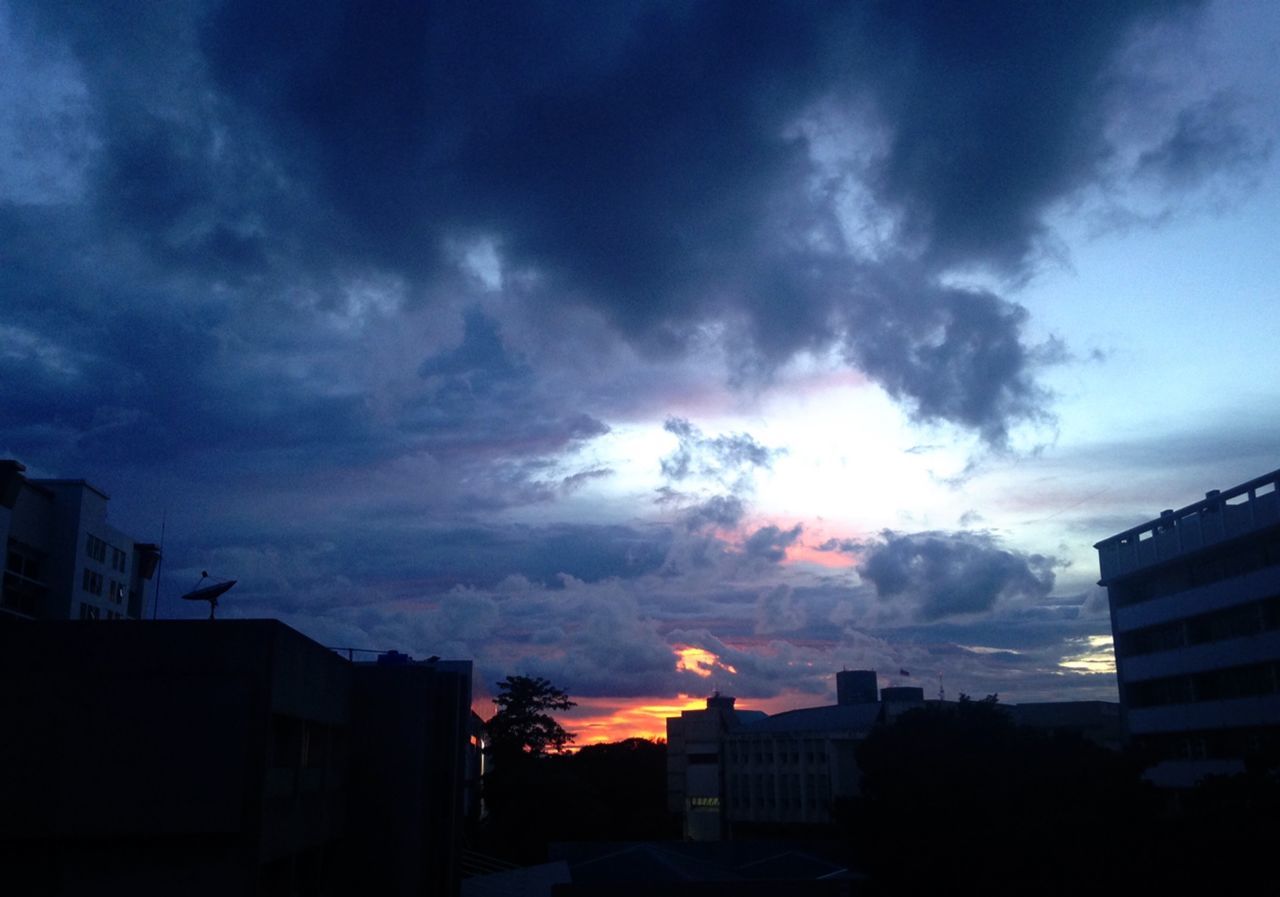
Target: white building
[
  {"x": 1195, "y": 612},
  {"x": 789, "y": 769},
  {"x": 61, "y": 558},
  {"x": 727, "y": 768},
  {"x": 732, "y": 772}
]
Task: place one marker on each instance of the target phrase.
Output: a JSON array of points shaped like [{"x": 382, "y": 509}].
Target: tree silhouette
[
  {"x": 522, "y": 724},
  {"x": 976, "y": 782}
]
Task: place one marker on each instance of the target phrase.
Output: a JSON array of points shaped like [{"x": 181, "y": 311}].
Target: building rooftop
[
  {"x": 851, "y": 717},
  {"x": 1219, "y": 517},
  {"x": 59, "y": 481}
]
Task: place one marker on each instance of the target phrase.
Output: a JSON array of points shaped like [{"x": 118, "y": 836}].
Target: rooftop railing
[{"x": 1220, "y": 516}]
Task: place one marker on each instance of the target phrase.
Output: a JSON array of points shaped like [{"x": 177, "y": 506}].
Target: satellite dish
[{"x": 208, "y": 593}]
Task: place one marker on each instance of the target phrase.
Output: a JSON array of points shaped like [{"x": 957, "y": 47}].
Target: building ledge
[{"x": 1219, "y": 517}]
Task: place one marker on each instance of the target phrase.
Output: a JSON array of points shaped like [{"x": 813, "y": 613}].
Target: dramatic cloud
[
  {"x": 770, "y": 543},
  {"x": 395, "y": 311},
  {"x": 778, "y": 610},
  {"x": 722, "y": 511},
  {"x": 631, "y": 160},
  {"x": 948, "y": 574}
]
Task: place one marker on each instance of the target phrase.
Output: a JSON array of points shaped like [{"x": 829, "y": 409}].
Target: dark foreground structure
[
  {"x": 229, "y": 757},
  {"x": 1195, "y": 612},
  {"x": 743, "y": 774}
]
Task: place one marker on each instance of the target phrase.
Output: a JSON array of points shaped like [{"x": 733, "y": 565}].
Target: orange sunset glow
[
  {"x": 599, "y": 720},
  {"x": 699, "y": 661}
]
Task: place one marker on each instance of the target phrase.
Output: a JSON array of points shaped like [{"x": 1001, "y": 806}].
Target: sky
[{"x": 653, "y": 348}]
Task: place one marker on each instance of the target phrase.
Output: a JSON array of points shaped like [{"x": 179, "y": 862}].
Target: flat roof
[
  {"x": 1222, "y": 515},
  {"x": 833, "y": 717},
  {"x": 58, "y": 481}
]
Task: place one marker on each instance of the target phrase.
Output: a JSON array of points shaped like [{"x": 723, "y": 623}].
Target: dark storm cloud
[
  {"x": 246, "y": 250},
  {"x": 664, "y": 165},
  {"x": 949, "y": 354},
  {"x": 723, "y": 511},
  {"x": 484, "y": 555},
  {"x": 946, "y": 574},
  {"x": 477, "y": 399},
  {"x": 380, "y": 570},
  {"x": 998, "y": 110},
  {"x": 770, "y": 543}
]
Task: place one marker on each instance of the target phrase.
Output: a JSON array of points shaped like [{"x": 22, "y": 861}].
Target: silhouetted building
[
  {"x": 1195, "y": 615},
  {"x": 62, "y": 560},
  {"x": 897, "y": 699},
  {"x": 727, "y": 768},
  {"x": 733, "y": 772},
  {"x": 226, "y": 757},
  {"x": 790, "y": 768},
  {"x": 695, "y": 742},
  {"x": 856, "y": 687},
  {"x": 410, "y": 772}
]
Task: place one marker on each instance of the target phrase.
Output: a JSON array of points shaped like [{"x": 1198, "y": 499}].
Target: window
[
  {"x": 91, "y": 582},
  {"x": 117, "y": 560},
  {"x": 23, "y": 561},
  {"x": 96, "y": 549},
  {"x": 1251, "y": 680},
  {"x": 88, "y": 611},
  {"x": 1234, "y": 622},
  {"x": 115, "y": 592}
]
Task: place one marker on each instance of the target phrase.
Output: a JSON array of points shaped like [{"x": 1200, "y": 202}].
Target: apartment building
[
  {"x": 61, "y": 557},
  {"x": 1195, "y": 614}
]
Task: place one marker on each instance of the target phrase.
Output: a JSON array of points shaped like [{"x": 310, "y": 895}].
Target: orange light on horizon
[
  {"x": 601, "y": 720},
  {"x": 598, "y": 720}
]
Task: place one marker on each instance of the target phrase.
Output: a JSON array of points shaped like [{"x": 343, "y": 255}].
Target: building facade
[
  {"x": 734, "y": 773},
  {"x": 1195, "y": 615},
  {"x": 731, "y": 769},
  {"x": 62, "y": 559},
  {"x": 695, "y": 758}
]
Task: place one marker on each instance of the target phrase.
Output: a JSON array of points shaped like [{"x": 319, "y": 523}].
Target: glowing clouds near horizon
[
  {"x": 699, "y": 661},
  {"x": 1095, "y": 655},
  {"x": 604, "y": 720},
  {"x": 601, "y": 720}
]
